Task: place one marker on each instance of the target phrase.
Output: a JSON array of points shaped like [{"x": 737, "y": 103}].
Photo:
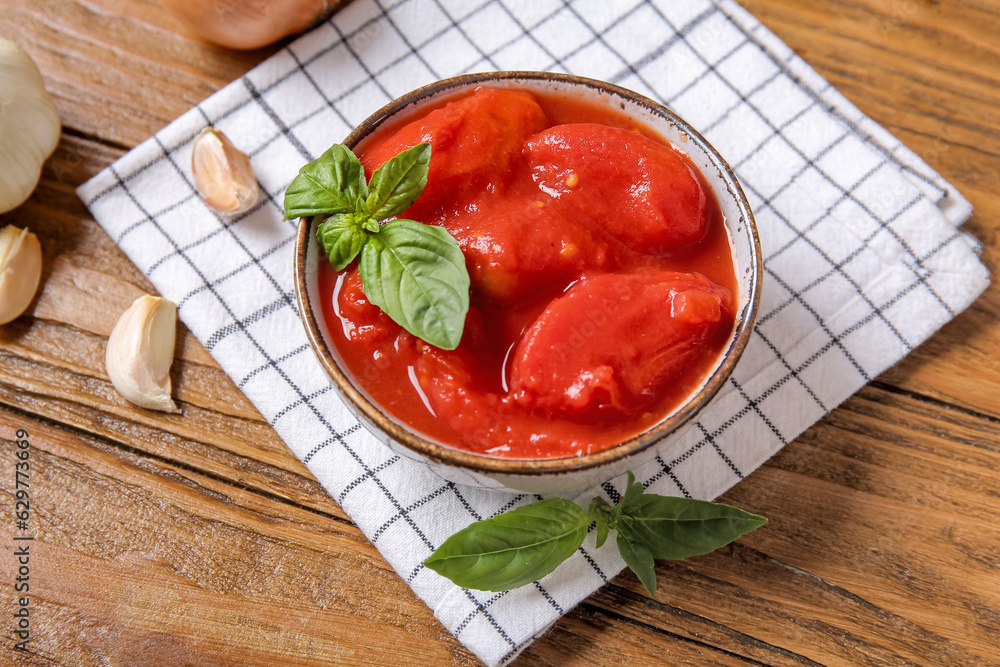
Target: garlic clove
[
  {"x": 20, "y": 271},
  {"x": 29, "y": 125},
  {"x": 140, "y": 351},
  {"x": 223, "y": 174}
]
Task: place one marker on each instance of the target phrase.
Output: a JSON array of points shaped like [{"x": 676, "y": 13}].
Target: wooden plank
[
  {"x": 150, "y": 563},
  {"x": 590, "y": 635}
]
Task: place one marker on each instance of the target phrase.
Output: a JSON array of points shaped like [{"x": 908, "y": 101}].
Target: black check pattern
[{"x": 863, "y": 259}]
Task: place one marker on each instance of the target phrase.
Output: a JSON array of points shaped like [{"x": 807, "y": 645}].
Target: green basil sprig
[
  {"x": 514, "y": 548},
  {"x": 414, "y": 272},
  {"x": 525, "y": 544}
]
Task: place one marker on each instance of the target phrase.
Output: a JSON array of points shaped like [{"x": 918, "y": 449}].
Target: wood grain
[
  {"x": 165, "y": 565},
  {"x": 201, "y": 540}
]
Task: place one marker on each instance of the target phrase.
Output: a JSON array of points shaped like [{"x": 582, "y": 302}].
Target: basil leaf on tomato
[
  {"x": 416, "y": 274},
  {"x": 677, "y": 528},
  {"x": 398, "y": 182},
  {"x": 514, "y": 548},
  {"x": 330, "y": 184},
  {"x": 364, "y": 217},
  {"x": 341, "y": 238}
]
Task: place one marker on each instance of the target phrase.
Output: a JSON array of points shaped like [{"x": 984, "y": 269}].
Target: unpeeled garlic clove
[
  {"x": 223, "y": 174},
  {"x": 140, "y": 351},
  {"x": 20, "y": 271}
]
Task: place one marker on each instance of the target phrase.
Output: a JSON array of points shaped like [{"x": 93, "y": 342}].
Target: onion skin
[{"x": 249, "y": 24}]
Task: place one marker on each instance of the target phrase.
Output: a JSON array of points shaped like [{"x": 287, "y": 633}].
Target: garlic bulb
[
  {"x": 222, "y": 173},
  {"x": 140, "y": 351},
  {"x": 29, "y": 125},
  {"x": 20, "y": 271}
]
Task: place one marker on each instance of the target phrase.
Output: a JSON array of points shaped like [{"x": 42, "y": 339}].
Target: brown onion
[{"x": 249, "y": 24}]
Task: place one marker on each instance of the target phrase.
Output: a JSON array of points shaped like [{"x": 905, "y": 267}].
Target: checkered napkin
[{"x": 863, "y": 258}]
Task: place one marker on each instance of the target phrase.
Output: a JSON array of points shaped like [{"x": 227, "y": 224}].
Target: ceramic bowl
[{"x": 554, "y": 475}]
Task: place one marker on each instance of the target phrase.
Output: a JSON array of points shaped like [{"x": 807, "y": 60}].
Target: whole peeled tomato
[
  {"x": 610, "y": 343},
  {"x": 249, "y": 24}
]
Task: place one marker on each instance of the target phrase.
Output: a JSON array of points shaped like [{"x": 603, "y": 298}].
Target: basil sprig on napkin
[
  {"x": 525, "y": 544},
  {"x": 414, "y": 272}
]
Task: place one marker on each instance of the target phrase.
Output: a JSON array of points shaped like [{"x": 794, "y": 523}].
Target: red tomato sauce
[{"x": 602, "y": 279}]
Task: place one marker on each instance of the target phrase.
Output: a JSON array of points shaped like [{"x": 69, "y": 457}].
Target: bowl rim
[{"x": 371, "y": 414}]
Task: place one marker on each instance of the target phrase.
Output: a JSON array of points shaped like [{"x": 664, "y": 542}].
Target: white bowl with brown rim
[{"x": 552, "y": 475}]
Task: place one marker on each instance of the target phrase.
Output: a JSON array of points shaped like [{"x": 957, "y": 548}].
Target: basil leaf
[
  {"x": 399, "y": 181},
  {"x": 599, "y": 507},
  {"x": 602, "y": 531},
  {"x": 677, "y": 528},
  {"x": 514, "y": 548},
  {"x": 364, "y": 217},
  {"x": 332, "y": 183},
  {"x": 600, "y": 511},
  {"x": 361, "y": 211},
  {"x": 633, "y": 490},
  {"x": 637, "y": 557},
  {"x": 416, "y": 274},
  {"x": 342, "y": 238}
]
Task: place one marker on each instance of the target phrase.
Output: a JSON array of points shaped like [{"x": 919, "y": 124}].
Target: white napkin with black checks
[{"x": 863, "y": 256}]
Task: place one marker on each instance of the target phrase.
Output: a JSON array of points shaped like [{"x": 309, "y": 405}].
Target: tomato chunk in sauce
[
  {"x": 602, "y": 279},
  {"x": 594, "y": 352},
  {"x": 646, "y": 196},
  {"x": 475, "y": 142}
]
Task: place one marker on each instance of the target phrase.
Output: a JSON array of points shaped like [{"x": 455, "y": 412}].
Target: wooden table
[{"x": 201, "y": 540}]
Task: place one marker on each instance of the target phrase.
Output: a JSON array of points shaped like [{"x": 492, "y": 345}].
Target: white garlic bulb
[
  {"x": 29, "y": 125},
  {"x": 140, "y": 351},
  {"x": 223, "y": 174},
  {"x": 20, "y": 271}
]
